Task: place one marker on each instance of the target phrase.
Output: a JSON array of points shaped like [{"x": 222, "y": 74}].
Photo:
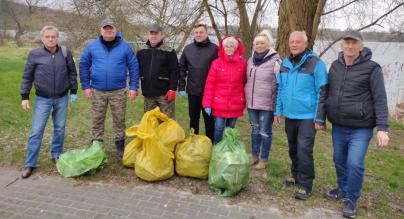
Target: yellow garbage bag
[
  {"x": 192, "y": 156},
  {"x": 148, "y": 124},
  {"x": 170, "y": 133},
  {"x": 155, "y": 161},
  {"x": 130, "y": 152}
]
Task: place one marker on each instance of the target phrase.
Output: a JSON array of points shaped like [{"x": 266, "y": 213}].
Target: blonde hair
[
  {"x": 230, "y": 41},
  {"x": 265, "y": 37}
]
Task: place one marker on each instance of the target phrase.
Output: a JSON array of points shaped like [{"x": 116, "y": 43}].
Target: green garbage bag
[
  {"x": 228, "y": 169},
  {"x": 82, "y": 161}
]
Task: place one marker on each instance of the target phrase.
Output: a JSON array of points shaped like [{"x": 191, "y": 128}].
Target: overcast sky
[{"x": 350, "y": 17}]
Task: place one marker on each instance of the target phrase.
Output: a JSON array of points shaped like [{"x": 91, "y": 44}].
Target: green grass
[{"x": 382, "y": 194}]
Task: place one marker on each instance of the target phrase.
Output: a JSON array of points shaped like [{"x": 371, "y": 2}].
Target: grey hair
[
  {"x": 230, "y": 41},
  {"x": 301, "y": 33},
  {"x": 49, "y": 27},
  {"x": 264, "y": 36}
]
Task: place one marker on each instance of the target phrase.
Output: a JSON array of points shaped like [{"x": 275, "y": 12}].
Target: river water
[{"x": 390, "y": 55}]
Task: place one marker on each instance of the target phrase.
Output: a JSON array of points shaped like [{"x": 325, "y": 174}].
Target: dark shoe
[
  {"x": 27, "y": 172},
  {"x": 335, "y": 194},
  {"x": 349, "y": 209},
  {"x": 302, "y": 194},
  {"x": 289, "y": 182},
  {"x": 120, "y": 147},
  {"x": 55, "y": 160}
]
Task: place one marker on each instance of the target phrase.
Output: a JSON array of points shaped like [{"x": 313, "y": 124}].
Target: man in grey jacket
[
  {"x": 52, "y": 70},
  {"x": 194, "y": 67},
  {"x": 356, "y": 103}
]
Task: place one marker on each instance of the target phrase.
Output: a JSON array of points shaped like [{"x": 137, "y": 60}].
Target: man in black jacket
[
  {"x": 52, "y": 70},
  {"x": 158, "y": 65},
  {"x": 194, "y": 67},
  {"x": 356, "y": 103}
]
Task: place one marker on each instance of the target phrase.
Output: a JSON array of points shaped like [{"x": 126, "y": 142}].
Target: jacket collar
[{"x": 306, "y": 55}]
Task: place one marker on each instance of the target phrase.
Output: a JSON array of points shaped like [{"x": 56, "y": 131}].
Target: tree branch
[
  {"x": 316, "y": 20},
  {"x": 339, "y": 8},
  {"x": 364, "y": 27},
  {"x": 212, "y": 19}
]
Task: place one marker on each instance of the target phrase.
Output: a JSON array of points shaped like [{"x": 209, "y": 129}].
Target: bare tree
[
  {"x": 247, "y": 14},
  {"x": 298, "y": 15},
  {"x": 20, "y": 18}
]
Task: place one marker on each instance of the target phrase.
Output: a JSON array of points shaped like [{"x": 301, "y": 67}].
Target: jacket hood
[
  {"x": 237, "y": 54},
  {"x": 364, "y": 56},
  {"x": 271, "y": 52}
]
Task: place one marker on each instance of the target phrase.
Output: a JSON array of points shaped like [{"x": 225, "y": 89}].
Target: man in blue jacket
[
  {"x": 104, "y": 67},
  {"x": 52, "y": 70},
  {"x": 301, "y": 81}
]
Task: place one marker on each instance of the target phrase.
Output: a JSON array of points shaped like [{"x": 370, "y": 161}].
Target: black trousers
[
  {"x": 301, "y": 134},
  {"x": 194, "y": 110}
]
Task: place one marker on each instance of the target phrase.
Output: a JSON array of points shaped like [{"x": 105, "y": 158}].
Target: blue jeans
[
  {"x": 220, "y": 125},
  {"x": 350, "y": 147},
  {"x": 261, "y": 132},
  {"x": 43, "y": 108}
]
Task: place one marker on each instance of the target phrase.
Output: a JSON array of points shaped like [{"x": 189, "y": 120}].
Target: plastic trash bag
[
  {"x": 148, "y": 124},
  {"x": 192, "y": 156},
  {"x": 130, "y": 152},
  {"x": 170, "y": 133},
  {"x": 82, "y": 161},
  {"x": 228, "y": 169},
  {"x": 154, "y": 162}
]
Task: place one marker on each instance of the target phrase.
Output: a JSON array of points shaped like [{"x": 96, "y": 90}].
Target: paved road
[{"x": 56, "y": 197}]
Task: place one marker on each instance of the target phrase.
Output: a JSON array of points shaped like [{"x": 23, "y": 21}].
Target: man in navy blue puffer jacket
[{"x": 104, "y": 67}]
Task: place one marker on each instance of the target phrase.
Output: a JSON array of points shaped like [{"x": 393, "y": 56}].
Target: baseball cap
[
  {"x": 107, "y": 22},
  {"x": 155, "y": 27},
  {"x": 353, "y": 34}
]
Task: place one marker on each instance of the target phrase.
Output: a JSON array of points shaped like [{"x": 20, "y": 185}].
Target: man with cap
[
  {"x": 356, "y": 103},
  {"x": 158, "y": 72},
  {"x": 104, "y": 66},
  {"x": 194, "y": 67}
]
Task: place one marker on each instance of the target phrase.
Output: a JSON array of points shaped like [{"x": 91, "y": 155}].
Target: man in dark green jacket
[{"x": 158, "y": 64}]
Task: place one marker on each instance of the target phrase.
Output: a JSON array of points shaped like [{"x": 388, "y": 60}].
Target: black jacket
[
  {"x": 52, "y": 74},
  {"x": 158, "y": 68},
  {"x": 194, "y": 66},
  {"x": 357, "y": 96}
]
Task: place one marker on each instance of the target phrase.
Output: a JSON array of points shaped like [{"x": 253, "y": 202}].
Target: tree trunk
[
  {"x": 298, "y": 15},
  {"x": 246, "y": 31}
]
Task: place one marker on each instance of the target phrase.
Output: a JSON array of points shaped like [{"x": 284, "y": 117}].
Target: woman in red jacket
[{"x": 224, "y": 89}]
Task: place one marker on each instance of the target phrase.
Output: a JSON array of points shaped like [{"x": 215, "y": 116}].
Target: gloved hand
[
  {"x": 208, "y": 111},
  {"x": 170, "y": 95},
  {"x": 182, "y": 93},
  {"x": 73, "y": 98}
]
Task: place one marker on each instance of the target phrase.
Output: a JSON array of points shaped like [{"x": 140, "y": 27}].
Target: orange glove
[{"x": 170, "y": 95}]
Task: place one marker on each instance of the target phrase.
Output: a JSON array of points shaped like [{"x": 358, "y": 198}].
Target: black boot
[{"x": 120, "y": 146}]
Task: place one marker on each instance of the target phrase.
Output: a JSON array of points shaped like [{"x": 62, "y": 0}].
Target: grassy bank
[{"x": 382, "y": 194}]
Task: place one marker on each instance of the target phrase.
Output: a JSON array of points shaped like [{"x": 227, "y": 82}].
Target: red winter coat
[{"x": 224, "y": 88}]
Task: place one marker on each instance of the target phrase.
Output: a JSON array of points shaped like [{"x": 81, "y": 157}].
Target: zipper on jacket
[
  {"x": 340, "y": 91},
  {"x": 150, "y": 69},
  {"x": 106, "y": 73},
  {"x": 54, "y": 74},
  {"x": 252, "y": 93}
]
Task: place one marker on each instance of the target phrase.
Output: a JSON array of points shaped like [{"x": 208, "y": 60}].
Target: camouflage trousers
[
  {"x": 116, "y": 99},
  {"x": 167, "y": 107}
]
